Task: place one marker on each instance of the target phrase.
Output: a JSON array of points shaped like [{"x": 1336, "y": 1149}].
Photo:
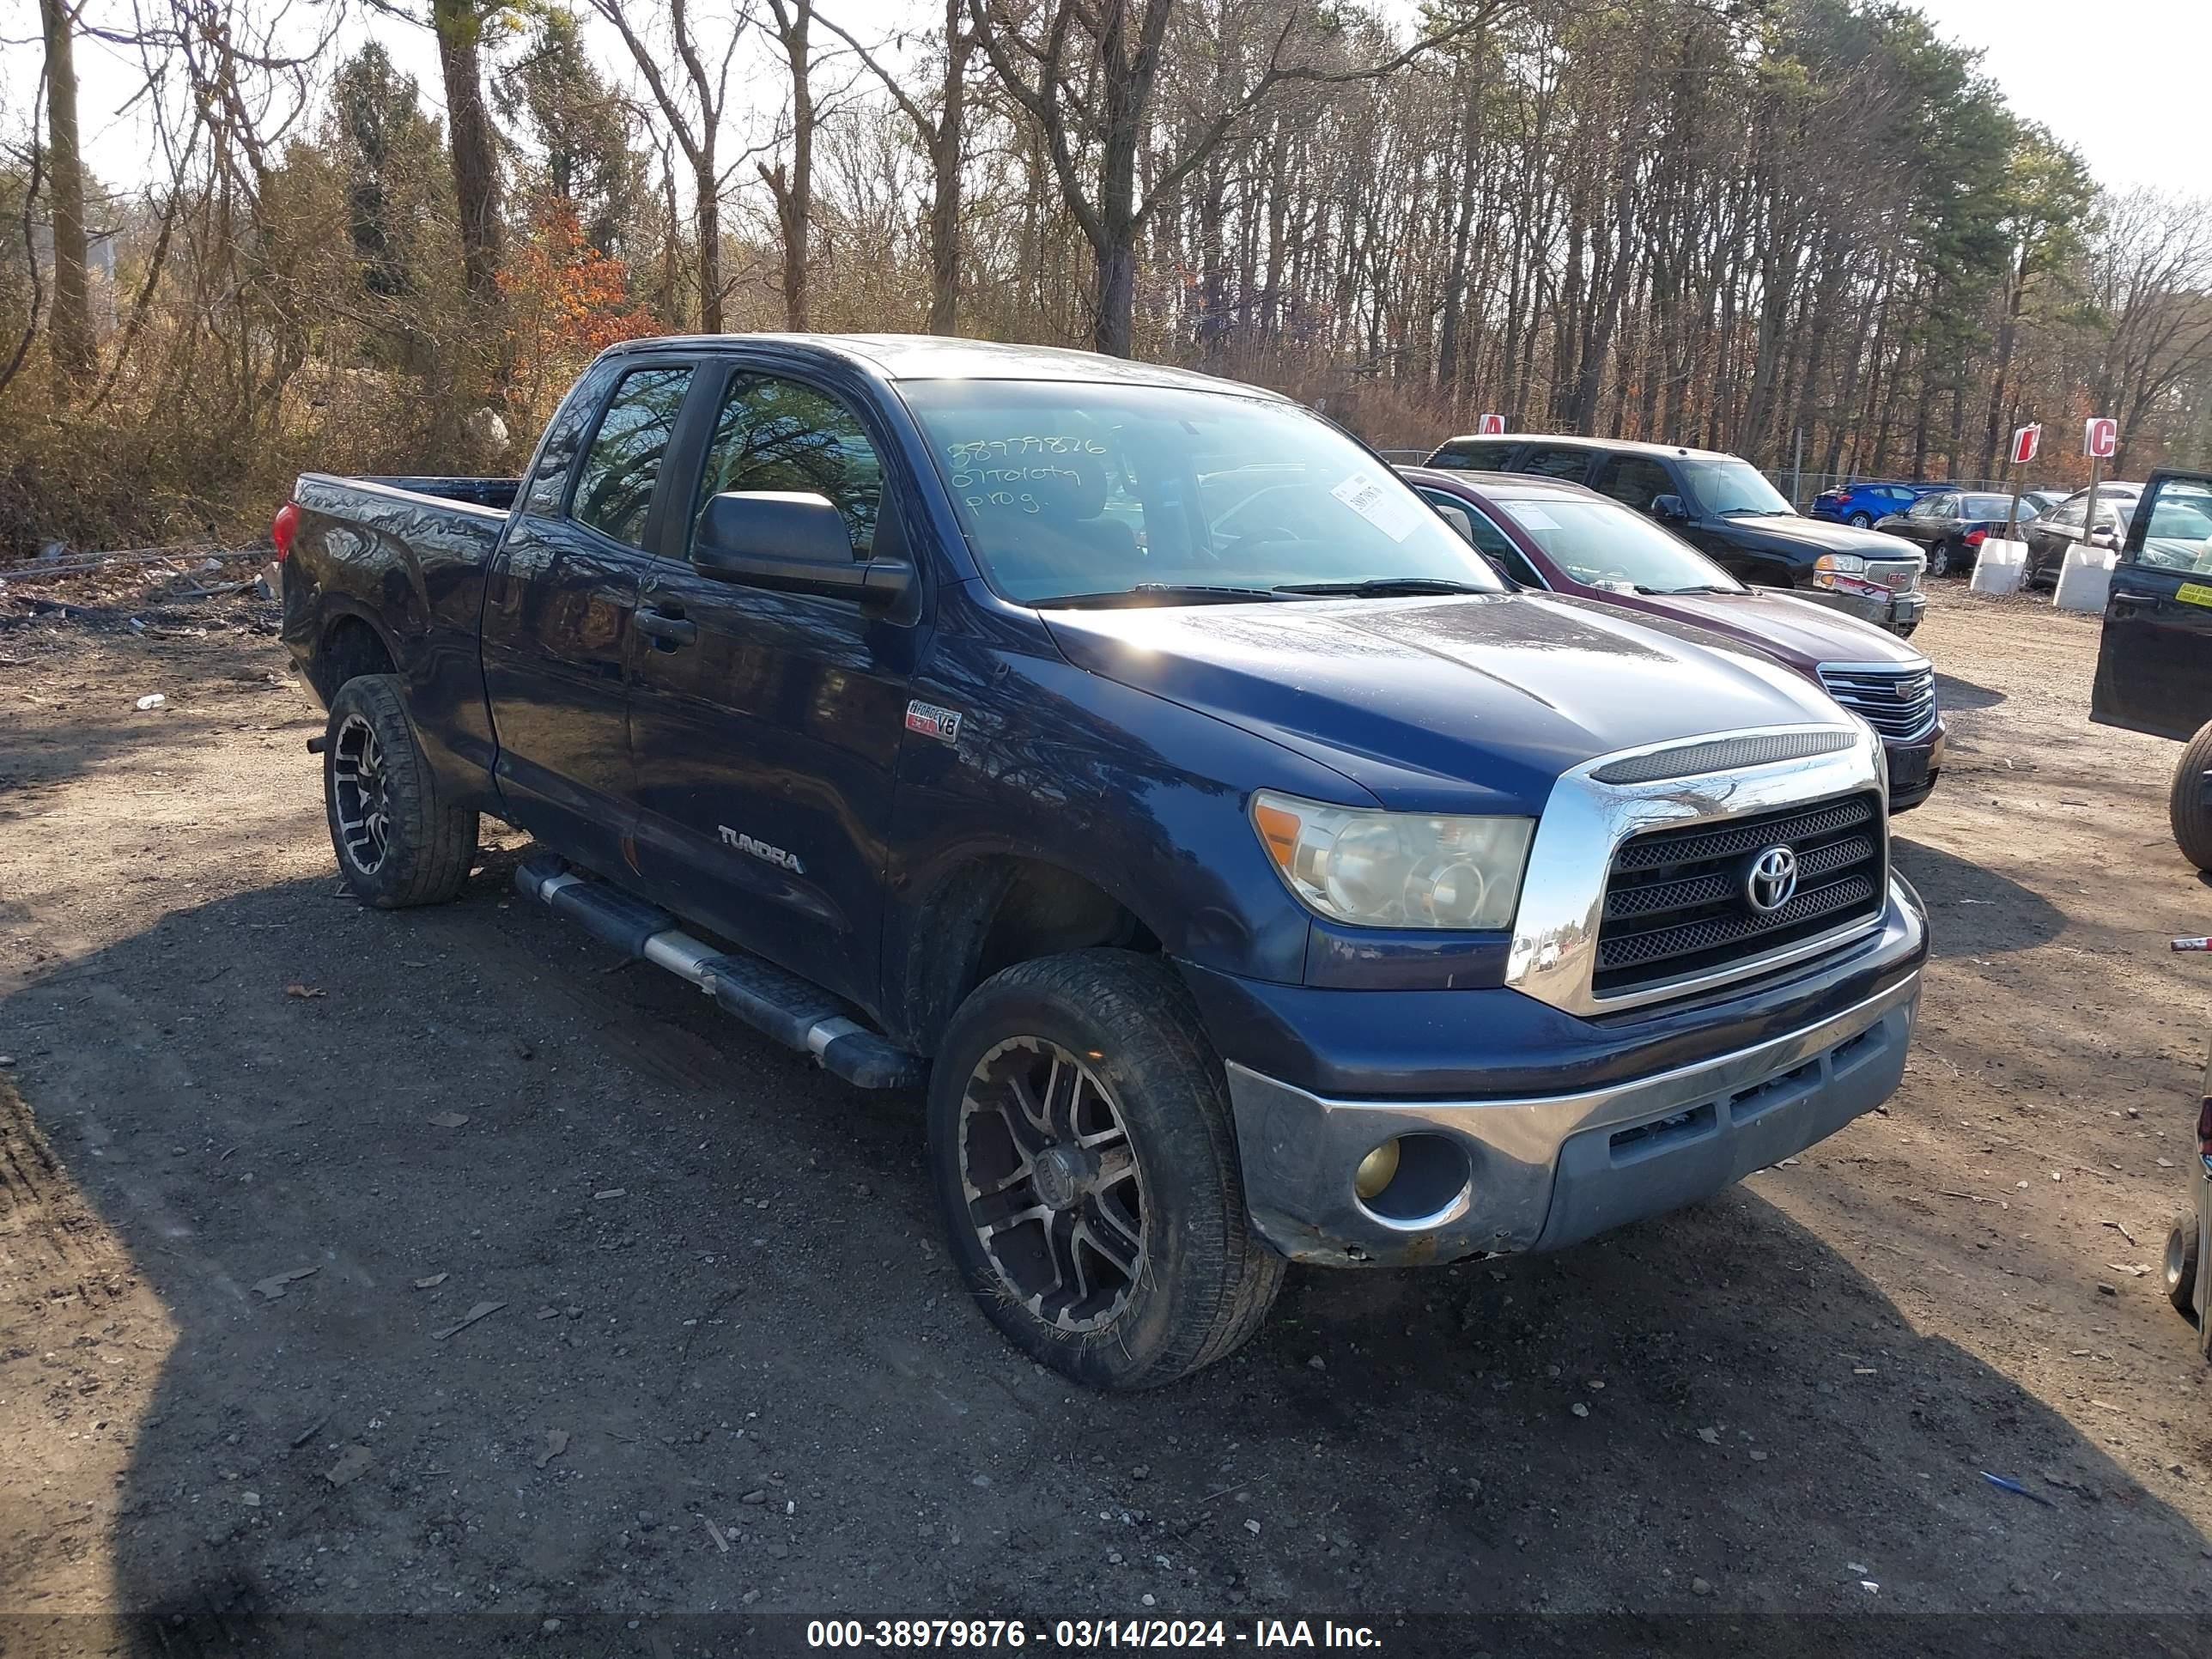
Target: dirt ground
[{"x": 266, "y": 1150}]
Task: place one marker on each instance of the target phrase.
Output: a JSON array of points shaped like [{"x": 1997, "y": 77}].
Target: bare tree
[
  {"x": 697, "y": 129},
  {"x": 942, "y": 136},
  {"x": 793, "y": 187},
  {"x": 459, "y": 26},
  {"x": 69, "y": 326},
  {"x": 1086, "y": 77}
]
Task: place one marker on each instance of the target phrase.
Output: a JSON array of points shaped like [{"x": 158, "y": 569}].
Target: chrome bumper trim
[{"x": 1300, "y": 1150}]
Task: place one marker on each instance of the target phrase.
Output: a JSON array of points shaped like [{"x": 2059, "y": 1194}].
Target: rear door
[
  {"x": 765, "y": 725},
  {"x": 2154, "y": 659},
  {"x": 559, "y": 604}
]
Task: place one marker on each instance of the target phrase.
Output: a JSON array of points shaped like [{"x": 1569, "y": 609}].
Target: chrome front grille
[
  {"x": 1899, "y": 575},
  {"x": 1679, "y": 903},
  {"x": 1899, "y": 702}
]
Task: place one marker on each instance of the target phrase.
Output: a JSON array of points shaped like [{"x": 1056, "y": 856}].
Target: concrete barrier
[
  {"x": 1999, "y": 566},
  {"x": 2085, "y": 579}
]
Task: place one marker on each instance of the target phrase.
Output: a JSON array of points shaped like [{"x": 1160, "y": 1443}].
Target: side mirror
[
  {"x": 794, "y": 542},
  {"x": 1457, "y": 518},
  {"x": 1669, "y": 507}
]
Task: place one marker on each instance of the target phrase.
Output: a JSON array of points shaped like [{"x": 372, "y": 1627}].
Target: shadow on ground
[
  {"x": 1972, "y": 910},
  {"x": 1953, "y": 693},
  {"x": 728, "y": 1370}
]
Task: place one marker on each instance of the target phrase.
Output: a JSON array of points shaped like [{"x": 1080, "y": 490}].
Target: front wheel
[
  {"x": 398, "y": 844},
  {"x": 1085, "y": 1165},
  {"x": 2181, "y": 1245},
  {"x": 2189, "y": 801}
]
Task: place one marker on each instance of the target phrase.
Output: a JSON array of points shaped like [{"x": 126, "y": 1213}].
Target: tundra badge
[
  {"x": 761, "y": 849},
  {"x": 932, "y": 721}
]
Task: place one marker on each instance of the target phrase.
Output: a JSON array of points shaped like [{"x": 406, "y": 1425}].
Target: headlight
[
  {"x": 1829, "y": 566},
  {"x": 1378, "y": 869}
]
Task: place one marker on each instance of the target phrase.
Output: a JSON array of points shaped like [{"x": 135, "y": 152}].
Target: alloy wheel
[
  {"x": 1051, "y": 1183},
  {"x": 360, "y": 788}
]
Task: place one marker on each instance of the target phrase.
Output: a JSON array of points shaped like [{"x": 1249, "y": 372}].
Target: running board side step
[{"x": 776, "y": 1004}]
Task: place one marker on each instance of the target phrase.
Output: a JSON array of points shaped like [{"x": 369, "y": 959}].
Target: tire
[
  {"x": 1159, "y": 1149},
  {"x": 2187, "y": 808},
  {"x": 2181, "y": 1265},
  {"x": 1860, "y": 521},
  {"x": 397, "y": 843},
  {"x": 1940, "y": 559}
]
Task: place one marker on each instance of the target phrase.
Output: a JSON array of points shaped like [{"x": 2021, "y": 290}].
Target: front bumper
[
  {"x": 1543, "y": 1126},
  {"x": 1913, "y": 770},
  {"x": 1899, "y": 613},
  {"x": 1492, "y": 1176}
]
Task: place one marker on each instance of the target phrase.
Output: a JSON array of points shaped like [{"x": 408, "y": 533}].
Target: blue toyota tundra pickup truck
[{"x": 1134, "y": 758}]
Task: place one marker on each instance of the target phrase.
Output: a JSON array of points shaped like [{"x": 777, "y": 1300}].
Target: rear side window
[
  {"x": 1556, "y": 461},
  {"x": 556, "y": 457},
  {"x": 775, "y": 434},
  {"x": 614, "y": 490},
  {"x": 1477, "y": 456},
  {"x": 1633, "y": 480}
]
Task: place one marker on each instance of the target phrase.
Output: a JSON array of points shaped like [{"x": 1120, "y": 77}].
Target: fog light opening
[{"x": 1413, "y": 1180}]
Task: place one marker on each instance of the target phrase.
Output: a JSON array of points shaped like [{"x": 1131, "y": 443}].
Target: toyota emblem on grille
[{"x": 1771, "y": 881}]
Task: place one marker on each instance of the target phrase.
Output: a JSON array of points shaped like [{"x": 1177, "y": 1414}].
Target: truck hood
[
  {"x": 1799, "y": 632},
  {"x": 1786, "y": 530},
  {"x": 1474, "y": 704}
]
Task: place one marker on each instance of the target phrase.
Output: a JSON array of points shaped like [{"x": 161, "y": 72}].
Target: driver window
[
  {"x": 1492, "y": 543},
  {"x": 778, "y": 434}
]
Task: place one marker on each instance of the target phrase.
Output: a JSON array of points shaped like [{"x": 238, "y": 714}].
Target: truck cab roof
[{"x": 942, "y": 357}]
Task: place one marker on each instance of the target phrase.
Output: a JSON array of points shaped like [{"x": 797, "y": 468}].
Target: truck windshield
[
  {"x": 1732, "y": 486},
  {"x": 1142, "y": 495},
  {"x": 1605, "y": 544}
]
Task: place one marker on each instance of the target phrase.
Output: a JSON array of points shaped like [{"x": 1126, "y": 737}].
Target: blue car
[{"x": 1862, "y": 503}]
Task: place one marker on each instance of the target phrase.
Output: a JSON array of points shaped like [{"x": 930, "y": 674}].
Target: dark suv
[{"x": 1724, "y": 506}]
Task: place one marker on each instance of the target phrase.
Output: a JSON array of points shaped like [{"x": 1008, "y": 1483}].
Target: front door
[
  {"x": 557, "y": 613},
  {"x": 2155, "y": 660},
  {"x": 765, "y": 725}
]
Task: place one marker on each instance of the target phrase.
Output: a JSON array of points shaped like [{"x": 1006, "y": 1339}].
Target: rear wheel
[
  {"x": 1861, "y": 520},
  {"x": 1085, "y": 1165},
  {"x": 1942, "y": 559},
  {"x": 2181, "y": 1244},
  {"x": 398, "y": 842},
  {"x": 2188, "y": 802}
]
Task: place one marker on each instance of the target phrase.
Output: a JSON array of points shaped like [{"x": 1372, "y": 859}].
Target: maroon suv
[{"x": 1542, "y": 533}]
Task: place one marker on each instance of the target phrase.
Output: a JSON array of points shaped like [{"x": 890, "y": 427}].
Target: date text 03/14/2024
[{"x": 1087, "y": 1634}]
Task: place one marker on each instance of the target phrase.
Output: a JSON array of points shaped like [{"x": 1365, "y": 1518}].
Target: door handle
[{"x": 666, "y": 632}]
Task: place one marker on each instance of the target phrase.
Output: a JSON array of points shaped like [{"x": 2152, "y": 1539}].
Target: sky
[{"x": 2124, "y": 82}]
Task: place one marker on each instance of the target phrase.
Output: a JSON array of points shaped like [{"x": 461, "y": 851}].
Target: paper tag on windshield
[
  {"x": 1534, "y": 518},
  {"x": 1387, "y": 510}
]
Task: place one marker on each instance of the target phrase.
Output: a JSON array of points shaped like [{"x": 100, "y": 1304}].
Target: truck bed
[{"x": 395, "y": 567}]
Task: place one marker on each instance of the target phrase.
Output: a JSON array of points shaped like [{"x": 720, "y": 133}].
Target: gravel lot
[{"x": 265, "y": 1148}]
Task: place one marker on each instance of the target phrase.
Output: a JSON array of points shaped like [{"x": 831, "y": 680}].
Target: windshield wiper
[
  {"x": 1376, "y": 587},
  {"x": 1155, "y": 593},
  {"x": 1706, "y": 587},
  {"x": 1746, "y": 511}
]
